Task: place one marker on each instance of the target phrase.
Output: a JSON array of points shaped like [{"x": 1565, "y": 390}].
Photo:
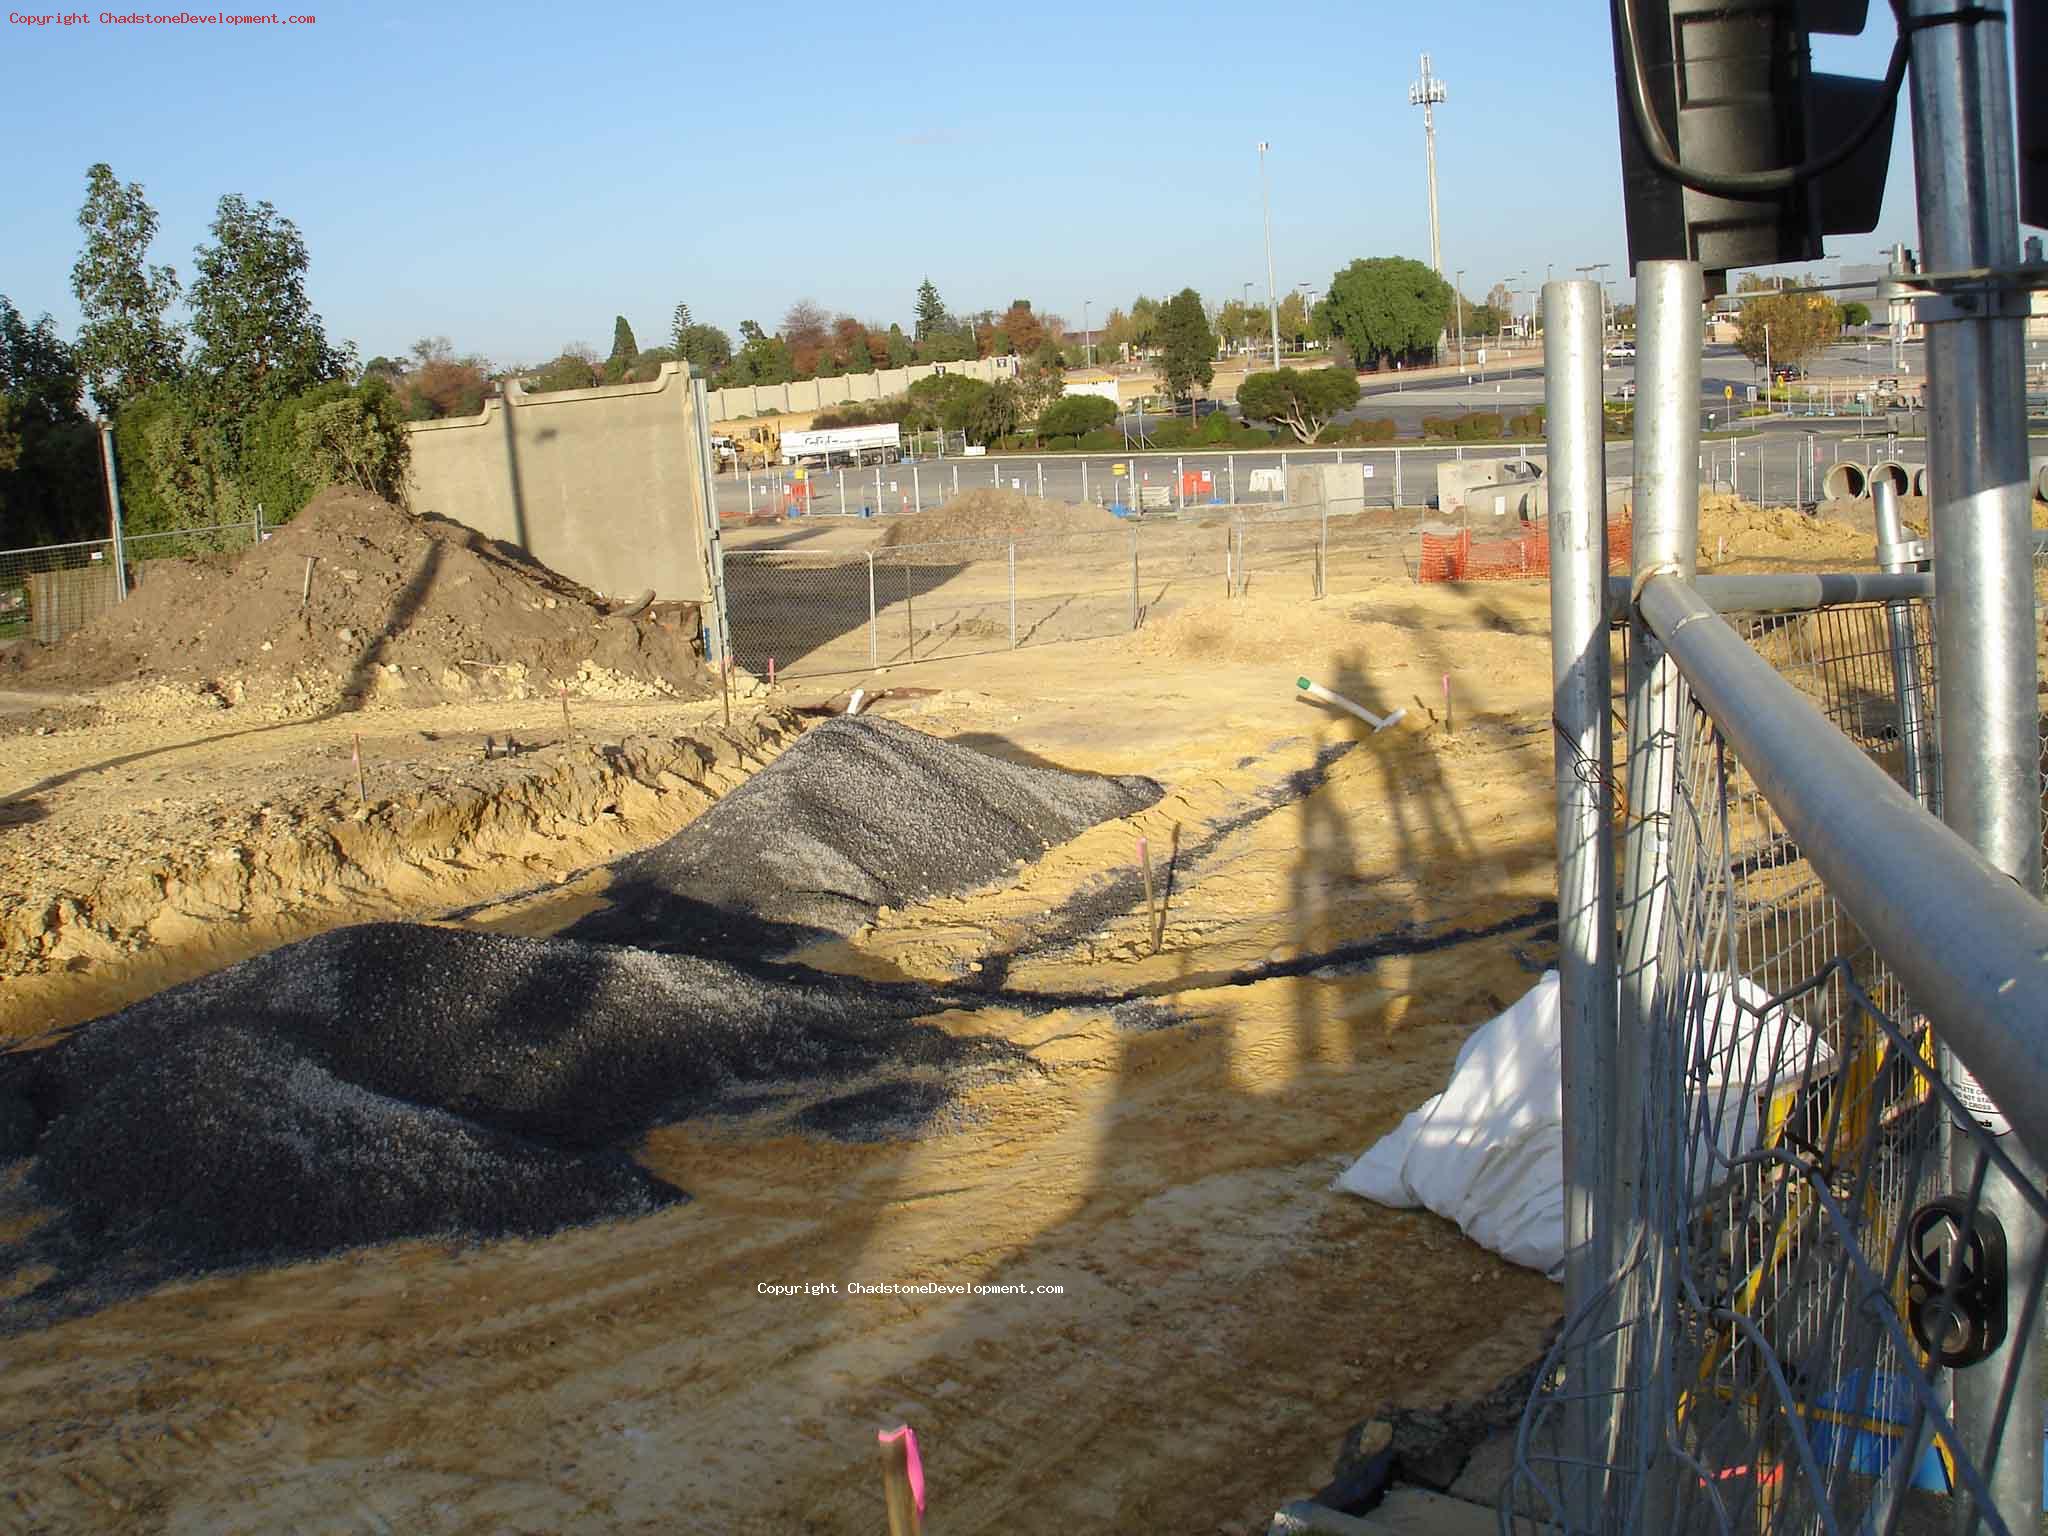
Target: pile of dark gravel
[
  {"x": 860, "y": 814},
  {"x": 394, "y": 1080}
]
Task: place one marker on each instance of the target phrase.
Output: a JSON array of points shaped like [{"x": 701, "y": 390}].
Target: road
[{"x": 1779, "y": 462}]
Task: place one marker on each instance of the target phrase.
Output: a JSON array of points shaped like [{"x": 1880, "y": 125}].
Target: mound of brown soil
[
  {"x": 991, "y": 513},
  {"x": 399, "y": 608},
  {"x": 1735, "y": 533}
]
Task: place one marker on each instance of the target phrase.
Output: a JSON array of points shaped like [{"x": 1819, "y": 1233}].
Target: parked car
[
  {"x": 1625, "y": 390},
  {"x": 1622, "y": 352},
  {"x": 1785, "y": 373}
]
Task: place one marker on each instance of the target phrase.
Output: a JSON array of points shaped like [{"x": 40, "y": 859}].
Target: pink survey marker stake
[{"x": 916, "y": 1463}]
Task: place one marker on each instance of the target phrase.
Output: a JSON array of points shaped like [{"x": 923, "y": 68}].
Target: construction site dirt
[{"x": 1071, "y": 1220}]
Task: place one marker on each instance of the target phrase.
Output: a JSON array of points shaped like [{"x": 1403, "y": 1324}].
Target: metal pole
[
  {"x": 1084, "y": 482},
  {"x": 1013, "y": 594},
  {"x": 1180, "y": 481},
  {"x": 1581, "y": 688},
  {"x": 956, "y": 479},
  {"x": 878, "y": 490},
  {"x": 916, "y": 491},
  {"x": 1272, "y": 292},
  {"x": 1988, "y": 714},
  {"x": 1323, "y": 553},
  {"x": 1231, "y": 460},
  {"x": 1041, "y": 479},
  {"x": 120, "y": 550},
  {"x": 1665, "y": 536},
  {"x": 1912, "y": 700},
  {"x": 1397, "y": 478},
  {"x": 1134, "y": 578},
  {"x": 842, "y": 493},
  {"x": 874, "y": 624},
  {"x": 909, "y": 619}
]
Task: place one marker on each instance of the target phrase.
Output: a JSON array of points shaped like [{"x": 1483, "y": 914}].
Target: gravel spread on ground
[
  {"x": 397, "y": 1080},
  {"x": 858, "y": 815}
]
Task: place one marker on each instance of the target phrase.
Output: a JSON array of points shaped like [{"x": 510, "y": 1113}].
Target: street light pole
[
  {"x": 1088, "y": 332},
  {"x": 1272, "y": 296}
]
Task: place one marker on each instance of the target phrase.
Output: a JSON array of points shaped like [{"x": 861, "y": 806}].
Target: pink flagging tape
[{"x": 909, "y": 1438}]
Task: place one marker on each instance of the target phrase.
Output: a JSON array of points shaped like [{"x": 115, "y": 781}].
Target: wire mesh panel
[
  {"x": 48, "y": 592},
  {"x": 948, "y": 599},
  {"x": 1789, "y": 1281},
  {"x": 806, "y": 613}
]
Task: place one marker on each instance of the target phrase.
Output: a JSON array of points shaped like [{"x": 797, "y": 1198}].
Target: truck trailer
[{"x": 881, "y": 444}]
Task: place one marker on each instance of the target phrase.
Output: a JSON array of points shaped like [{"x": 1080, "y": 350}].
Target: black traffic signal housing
[{"x": 1731, "y": 86}]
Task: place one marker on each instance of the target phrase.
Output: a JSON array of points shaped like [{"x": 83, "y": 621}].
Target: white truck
[{"x": 844, "y": 445}]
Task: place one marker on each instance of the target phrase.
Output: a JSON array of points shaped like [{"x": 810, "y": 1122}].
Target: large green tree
[
  {"x": 126, "y": 340},
  {"x": 1386, "y": 307},
  {"x": 259, "y": 337},
  {"x": 49, "y": 470},
  {"x": 1787, "y": 327},
  {"x": 1187, "y": 345},
  {"x": 624, "y": 347},
  {"x": 1302, "y": 400},
  {"x": 931, "y": 313}
]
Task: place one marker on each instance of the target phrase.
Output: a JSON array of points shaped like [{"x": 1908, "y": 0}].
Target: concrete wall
[
  {"x": 603, "y": 485},
  {"x": 817, "y": 394}
]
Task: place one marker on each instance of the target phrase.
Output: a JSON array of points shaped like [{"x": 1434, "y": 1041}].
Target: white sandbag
[{"x": 1488, "y": 1152}]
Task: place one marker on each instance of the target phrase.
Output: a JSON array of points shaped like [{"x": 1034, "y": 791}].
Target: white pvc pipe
[
  {"x": 1920, "y": 480},
  {"x": 853, "y": 704},
  {"x": 1378, "y": 723},
  {"x": 1845, "y": 482}
]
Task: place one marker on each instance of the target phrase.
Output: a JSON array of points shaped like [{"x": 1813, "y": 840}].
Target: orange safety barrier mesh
[{"x": 1460, "y": 557}]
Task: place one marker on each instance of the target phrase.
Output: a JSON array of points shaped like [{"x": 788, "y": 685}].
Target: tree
[
  {"x": 704, "y": 347},
  {"x": 1144, "y": 323},
  {"x": 1302, "y": 400},
  {"x": 1855, "y": 312},
  {"x": 1787, "y": 327},
  {"x": 1188, "y": 346},
  {"x": 1296, "y": 326},
  {"x": 1501, "y": 300},
  {"x": 762, "y": 359},
  {"x": 624, "y": 347},
  {"x": 931, "y": 312},
  {"x": 1387, "y": 307},
  {"x": 1043, "y": 378},
  {"x": 678, "y": 327},
  {"x": 49, "y": 453},
  {"x": 805, "y": 331},
  {"x": 1021, "y": 328},
  {"x": 126, "y": 343},
  {"x": 259, "y": 338},
  {"x": 1072, "y": 415},
  {"x": 899, "y": 348}
]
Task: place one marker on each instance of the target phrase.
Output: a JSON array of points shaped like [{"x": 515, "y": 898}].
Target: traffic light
[{"x": 1735, "y": 152}]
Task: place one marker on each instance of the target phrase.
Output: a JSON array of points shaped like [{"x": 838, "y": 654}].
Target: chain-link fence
[
  {"x": 52, "y": 590},
  {"x": 1805, "y": 1247},
  {"x": 825, "y": 612}
]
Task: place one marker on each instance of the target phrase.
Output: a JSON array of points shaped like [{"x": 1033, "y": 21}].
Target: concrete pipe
[
  {"x": 1900, "y": 475},
  {"x": 1919, "y": 479},
  {"x": 1845, "y": 482},
  {"x": 2041, "y": 479}
]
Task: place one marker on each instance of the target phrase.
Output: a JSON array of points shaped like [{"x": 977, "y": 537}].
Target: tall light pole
[
  {"x": 1272, "y": 296},
  {"x": 1458, "y": 294},
  {"x": 1088, "y": 331},
  {"x": 1427, "y": 93}
]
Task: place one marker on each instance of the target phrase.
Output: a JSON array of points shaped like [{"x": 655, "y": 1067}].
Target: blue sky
[{"x": 512, "y": 176}]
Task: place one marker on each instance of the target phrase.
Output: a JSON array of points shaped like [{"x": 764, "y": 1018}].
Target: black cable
[{"x": 1746, "y": 184}]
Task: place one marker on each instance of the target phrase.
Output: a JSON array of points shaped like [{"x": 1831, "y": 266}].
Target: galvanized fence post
[
  {"x": 1232, "y": 461},
  {"x": 842, "y": 493},
  {"x": 1581, "y": 688},
  {"x": 1649, "y": 1107},
  {"x": 878, "y": 490},
  {"x": 1013, "y": 594},
  {"x": 874, "y": 623},
  {"x": 1977, "y": 465},
  {"x": 1041, "y": 479},
  {"x": 1180, "y": 480},
  {"x": 956, "y": 479},
  {"x": 916, "y": 491},
  {"x": 1084, "y": 482},
  {"x": 909, "y": 619},
  {"x": 1398, "y": 501},
  {"x": 1323, "y": 552},
  {"x": 120, "y": 551},
  {"x": 1134, "y": 578}
]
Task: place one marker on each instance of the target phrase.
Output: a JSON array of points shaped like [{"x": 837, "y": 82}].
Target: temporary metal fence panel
[
  {"x": 1780, "y": 1383},
  {"x": 49, "y": 591}
]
